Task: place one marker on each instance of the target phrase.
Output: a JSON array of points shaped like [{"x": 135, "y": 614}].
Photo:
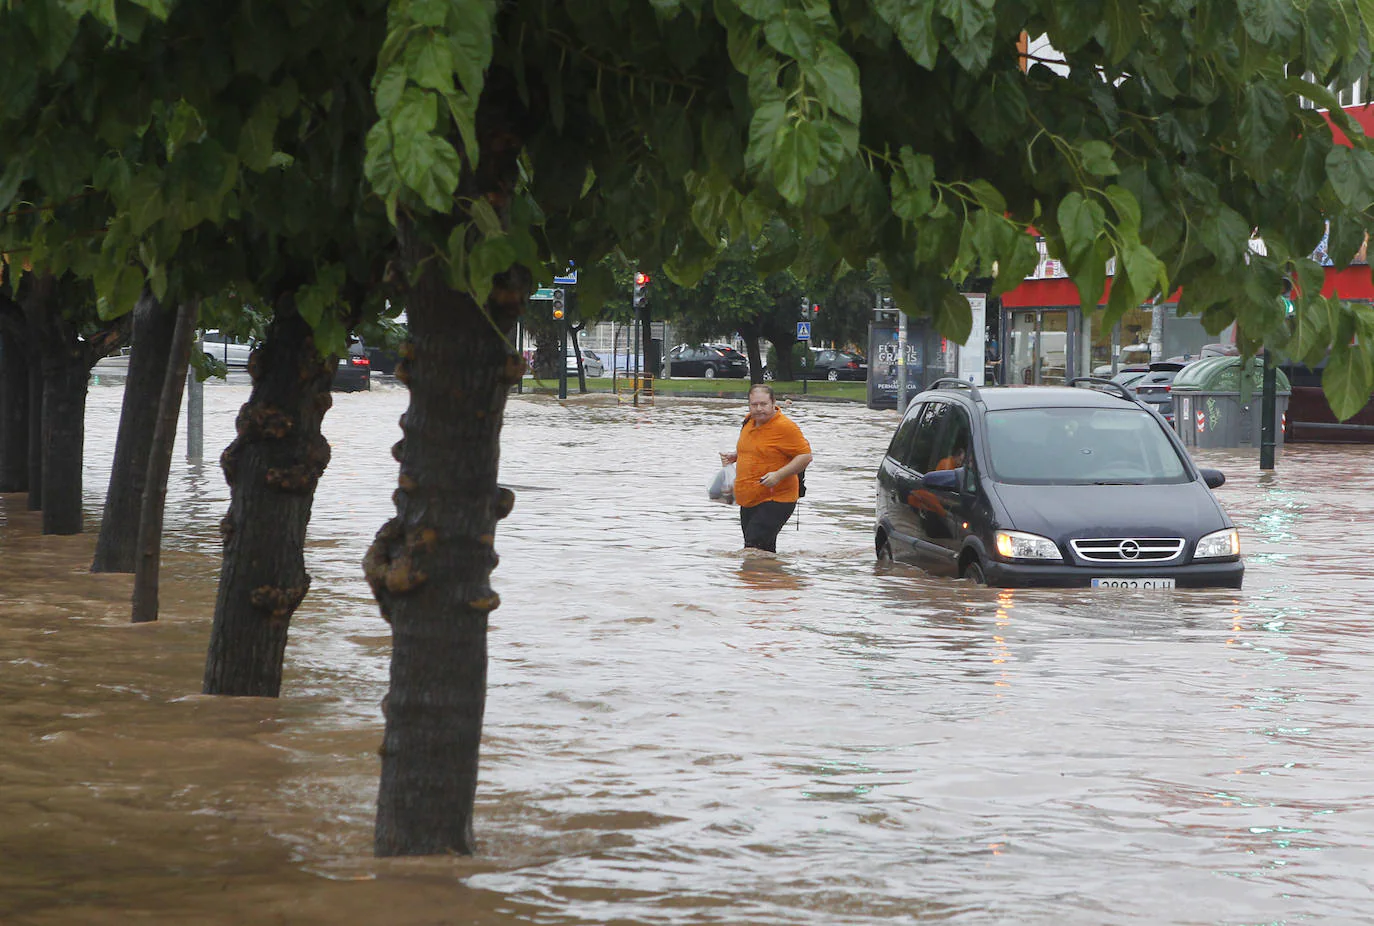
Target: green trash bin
[{"x": 1209, "y": 410}]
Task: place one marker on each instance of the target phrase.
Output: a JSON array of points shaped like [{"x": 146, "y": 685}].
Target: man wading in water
[{"x": 770, "y": 454}]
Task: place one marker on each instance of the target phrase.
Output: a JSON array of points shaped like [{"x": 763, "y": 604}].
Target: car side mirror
[
  {"x": 943, "y": 479},
  {"x": 1214, "y": 478}
]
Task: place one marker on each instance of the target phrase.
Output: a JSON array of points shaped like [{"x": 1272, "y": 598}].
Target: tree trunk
[
  {"x": 35, "y": 500},
  {"x": 117, "y": 545},
  {"x": 65, "y": 379},
  {"x": 14, "y": 413},
  {"x": 65, "y": 372},
  {"x": 430, "y": 566},
  {"x": 159, "y": 464},
  {"x": 272, "y": 468}
]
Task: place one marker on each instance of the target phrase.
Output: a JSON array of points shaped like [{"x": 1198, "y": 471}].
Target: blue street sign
[{"x": 803, "y": 331}]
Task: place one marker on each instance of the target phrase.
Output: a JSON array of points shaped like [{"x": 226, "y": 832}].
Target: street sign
[
  {"x": 543, "y": 293},
  {"x": 803, "y": 331},
  {"x": 569, "y": 280}
]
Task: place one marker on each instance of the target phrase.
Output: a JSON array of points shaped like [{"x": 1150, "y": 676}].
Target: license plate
[{"x": 1133, "y": 583}]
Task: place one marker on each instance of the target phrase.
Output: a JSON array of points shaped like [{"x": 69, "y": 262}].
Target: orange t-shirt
[{"x": 762, "y": 450}]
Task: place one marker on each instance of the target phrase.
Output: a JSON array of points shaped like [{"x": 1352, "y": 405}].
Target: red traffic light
[
  {"x": 641, "y": 279},
  {"x": 815, "y": 310}
]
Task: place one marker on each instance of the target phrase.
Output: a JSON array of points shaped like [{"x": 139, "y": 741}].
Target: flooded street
[{"x": 678, "y": 733}]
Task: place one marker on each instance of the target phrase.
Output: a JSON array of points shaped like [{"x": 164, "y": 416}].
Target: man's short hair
[{"x": 764, "y": 387}]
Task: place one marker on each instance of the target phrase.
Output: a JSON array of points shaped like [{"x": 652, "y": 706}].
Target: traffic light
[
  {"x": 641, "y": 284},
  {"x": 559, "y": 304},
  {"x": 815, "y": 310}
]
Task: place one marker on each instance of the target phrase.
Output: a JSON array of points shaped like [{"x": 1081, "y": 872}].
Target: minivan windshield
[{"x": 1081, "y": 446}]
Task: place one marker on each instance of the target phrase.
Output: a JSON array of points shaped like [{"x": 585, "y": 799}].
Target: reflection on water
[{"x": 679, "y": 732}]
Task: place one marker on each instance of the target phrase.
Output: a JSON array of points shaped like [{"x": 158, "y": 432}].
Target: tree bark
[
  {"x": 14, "y": 412},
  {"x": 65, "y": 379},
  {"x": 430, "y": 566},
  {"x": 35, "y": 480},
  {"x": 62, "y": 432},
  {"x": 117, "y": 546},
  {"x": 159, "y": 464},
  {"x": 272, "y": 468}
]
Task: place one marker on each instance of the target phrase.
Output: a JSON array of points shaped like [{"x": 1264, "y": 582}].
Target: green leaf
[
  {"x": 1147, "y": 272},
  {"x": 488, "y": 258},
  {"x": 117, "y": 290},
  {"x": 797, "y": 155},
  {"x": 1351, "y": 171},
  {"x": 15, "y": 172},
  {"x": 836, "y": 78},
  {"x": 387, "y": 89},
  {"x": 485, "y": 217},
  {"x": 1312, "y": 329},
  {"x": 430, "y": 166},
  {"x": 1126, "y": 206},
  {"x": 470, "y": 29},
  {"x": 257, "y": 138},
  {"x": 428, "y": 12},
  {"x": 791, "y": 33},
  {"x": 1013, "y": 267},
  {"x": 595, "y": 287},
  {"x": 953, "y": 315},
  {"x": 1268, "y": 20},
  {"x": 1224, "y": 233},
  {"x": 988, "y": 197},
  {"x": 1098, "y": 159},
  {"x": 912, "y": 21},
  {"x": 429, "y": 62},
  {"x": 1348, "y": 379},
  {"x": 184, "y": 126},
  {"x": 911, "y": 196},
  {"x": 416, "y": 114},
  {"x": 1080, "y": 222},
  {"x": 1263, "y": 119},
  {"x": 463, "y": 108},
  {"x": 764, "y": 129}
]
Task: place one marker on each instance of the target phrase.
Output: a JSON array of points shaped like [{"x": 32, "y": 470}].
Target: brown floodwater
[{"x": 678, "y": 733}]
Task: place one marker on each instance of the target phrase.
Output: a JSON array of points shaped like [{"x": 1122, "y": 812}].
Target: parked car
[
  {"x": 229, "y": 350},
  {"x": 708, "y": 360},
  {"x": 592, "y": 364},
  {"x": 354, "y": 372},
  {"x": 1130, "y": 374},
  {"x": 839, "y": 364},
  {"x": 1155, "y": 385},
  {"x": 1077, "y": 485}
]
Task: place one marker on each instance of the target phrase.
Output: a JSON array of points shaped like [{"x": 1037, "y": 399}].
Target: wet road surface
[{"x": 681, "y": 733}]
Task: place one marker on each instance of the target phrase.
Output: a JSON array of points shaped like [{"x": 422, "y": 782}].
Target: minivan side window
[
  {"x": 919, "y": 452},
  {"x": 901, "y": 441},
  {"x": 952, "y": 446}
]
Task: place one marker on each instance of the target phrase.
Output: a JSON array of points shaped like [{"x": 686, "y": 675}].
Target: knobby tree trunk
[
  {"x": 62, "y": 433},
  {"x": 14, "y": 412},
  {"x": 116, "y": 547},
  {"x": 430, "y": 566},
  {"x": 159, "y": 464},
  {"x": 272, "y": 468},
  {"x": 35, "y": 480}
]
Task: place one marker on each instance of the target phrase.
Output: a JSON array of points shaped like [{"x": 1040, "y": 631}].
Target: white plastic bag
[{"x": 722, "y": 488}]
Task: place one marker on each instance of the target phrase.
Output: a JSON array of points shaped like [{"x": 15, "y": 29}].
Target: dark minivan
[{"x": 1078, "y": 485}]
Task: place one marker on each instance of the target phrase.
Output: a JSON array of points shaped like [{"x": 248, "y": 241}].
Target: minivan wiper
[{"x": 1118, "y": 482}]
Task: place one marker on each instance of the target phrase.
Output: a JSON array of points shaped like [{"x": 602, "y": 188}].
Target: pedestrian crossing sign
[{"x": 803, "y": 331}]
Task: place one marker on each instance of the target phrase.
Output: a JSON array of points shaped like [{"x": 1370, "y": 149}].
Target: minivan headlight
[
  {"x": 1016, "y": 545},
  {"x": 1218, "y": 544}
]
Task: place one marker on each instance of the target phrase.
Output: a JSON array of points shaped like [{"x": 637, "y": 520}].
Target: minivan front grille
[{"x": 1128, "y": 549}]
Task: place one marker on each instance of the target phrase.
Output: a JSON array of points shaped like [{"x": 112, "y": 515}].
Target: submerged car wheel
[
  {"x": 833, "y": 376},
  {"x": 974, "y": 573},
  {"x": 884, "y": 549}
]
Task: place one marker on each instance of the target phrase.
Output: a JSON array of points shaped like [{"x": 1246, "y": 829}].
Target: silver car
[{"x": 231, "y": 351}]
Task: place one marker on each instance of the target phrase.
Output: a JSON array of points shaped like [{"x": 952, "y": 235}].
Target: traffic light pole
[
  {"x": 1267, "y": 423},
  {"x": 563, "y": 358}
]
